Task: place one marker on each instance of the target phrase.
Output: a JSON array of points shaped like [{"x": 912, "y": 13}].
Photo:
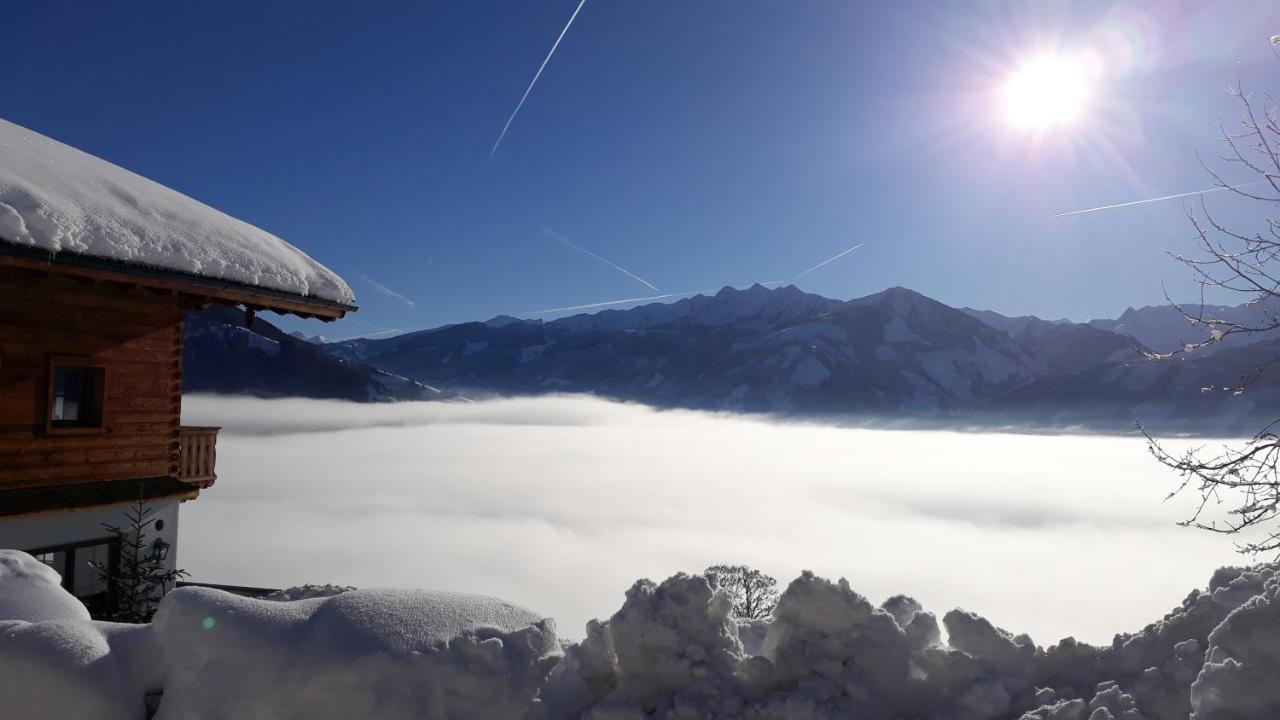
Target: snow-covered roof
[{"x": 54, "y": 197}]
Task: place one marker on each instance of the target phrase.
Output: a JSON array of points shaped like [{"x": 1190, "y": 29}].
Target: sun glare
[{"x": 1047, "y": 91}]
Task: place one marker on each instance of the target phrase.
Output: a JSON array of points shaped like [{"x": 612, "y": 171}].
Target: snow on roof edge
[
  {"x": 68, "y": 257},
  {"x": 56, "y": 198}
]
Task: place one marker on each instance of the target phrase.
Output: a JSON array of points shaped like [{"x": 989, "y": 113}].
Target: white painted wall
[{"x": 62, "y": 528}]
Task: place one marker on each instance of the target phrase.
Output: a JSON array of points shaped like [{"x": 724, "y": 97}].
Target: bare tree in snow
[
  {"x": 1233, "y": 261},
  {"x": 754, "y": 594}
]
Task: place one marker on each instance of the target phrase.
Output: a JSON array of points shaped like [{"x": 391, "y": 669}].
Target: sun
[{"x": 1047, "y": 92}]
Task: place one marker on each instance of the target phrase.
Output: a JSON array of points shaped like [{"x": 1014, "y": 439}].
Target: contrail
[
  {"x": 589, "y": 306},
  {"x": 381, "y": 330},
  {"x": 1157, "y": 199},
  {"x": 371, "y": 336},
  {"x": 534, "y": 81},
  {"x": 384, "y": 290},
  {"x": 615, "y": 266},
  {"x": 824, "y": 262}
]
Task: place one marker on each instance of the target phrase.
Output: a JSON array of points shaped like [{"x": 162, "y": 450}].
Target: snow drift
[
  {"x": 357, "y": 654},
  {"x": 57, "y": 663},
  {"x": 32, "y": 591},
  {"x": 57, "y": 198},
  {"x": 672, "y": 651}
]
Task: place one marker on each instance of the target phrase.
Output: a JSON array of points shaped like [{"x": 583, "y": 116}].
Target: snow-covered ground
[
  {"x": 561, "y": 503},
  {"x": 671, "y": 652}
]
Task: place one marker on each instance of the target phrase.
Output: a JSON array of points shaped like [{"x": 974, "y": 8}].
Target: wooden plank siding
[{"x": 134, "y": 332}]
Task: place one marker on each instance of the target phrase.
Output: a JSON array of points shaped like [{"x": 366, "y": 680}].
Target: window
[
  {"x": 79, "y": 577},
  {"x": 76, "y": 391},
  {"x": 56, "y": 560}
]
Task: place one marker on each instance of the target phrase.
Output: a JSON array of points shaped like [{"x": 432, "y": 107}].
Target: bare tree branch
[{"x": 1245, "y": 478}]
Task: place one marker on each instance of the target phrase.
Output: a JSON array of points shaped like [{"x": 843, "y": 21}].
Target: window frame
[
  {"x": 68, "y": 571},
  {"x": 99, "y": 395}
]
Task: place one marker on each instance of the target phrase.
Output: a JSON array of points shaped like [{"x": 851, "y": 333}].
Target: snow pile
[
  {"x": 847, "y": 656},
  {"x": 307, "y": 592},
  {"x": 358, "y": 654},
  {"x": 751, "y": 634},
  {"x": 1238, "y": 677},
  {"x": 78, "y": 669},
  {"x": 56, "y": 198},
  {"x": 55, "y": 662},
  {"x": 32, "y": 591},
  {"x": 672, "y": 652},
  {"x": 1150, "y": 674}
]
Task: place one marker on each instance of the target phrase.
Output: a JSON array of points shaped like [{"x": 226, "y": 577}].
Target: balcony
[{"x": 197, "y": 455}]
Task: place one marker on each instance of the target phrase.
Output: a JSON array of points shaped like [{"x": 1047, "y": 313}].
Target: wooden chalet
[{"x": 91, "y": 396}]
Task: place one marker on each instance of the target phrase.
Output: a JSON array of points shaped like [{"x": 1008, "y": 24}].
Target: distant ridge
[
  {"x": 224, "y": 353},
  {"x": 892, "y": 356}
]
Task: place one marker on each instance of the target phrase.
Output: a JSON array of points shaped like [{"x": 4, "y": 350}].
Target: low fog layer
[{"x": 561, "y": 503}]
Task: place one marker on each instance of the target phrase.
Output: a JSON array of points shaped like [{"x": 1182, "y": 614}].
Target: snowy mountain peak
[
  {"x": 902, "y": 301},
  {"x": 895, "y": 294},
  {"x": 755, "y": 290},
  {"x": 727, "y": 305},
  {"x": 498, "y": 321}
]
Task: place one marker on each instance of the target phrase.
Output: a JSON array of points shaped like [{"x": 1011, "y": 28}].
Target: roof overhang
[
  {"x": 108, "y": 270},
  {"x": 82, "y": 496}
]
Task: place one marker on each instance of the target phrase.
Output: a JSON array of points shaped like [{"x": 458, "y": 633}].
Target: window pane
[
  {"x": 56, "y": 560},
  {"x": 87, "y": 580},
  {"x": 61, "y": 411},
  {"x": 74, "y": 395}
]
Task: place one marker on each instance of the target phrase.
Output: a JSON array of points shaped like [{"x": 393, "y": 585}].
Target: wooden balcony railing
[{"x": 197, "y": 455}]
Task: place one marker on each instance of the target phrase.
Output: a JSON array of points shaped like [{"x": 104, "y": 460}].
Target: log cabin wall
[{"x": 134, "y": 333}]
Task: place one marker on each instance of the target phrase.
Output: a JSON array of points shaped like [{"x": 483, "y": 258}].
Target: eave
[
  {"x": 108, "y": 270},
  {"x": 45, "y": 500}
]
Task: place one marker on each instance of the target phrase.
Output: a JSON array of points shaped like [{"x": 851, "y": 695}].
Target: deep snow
[
  {"x": 57, "y": 198},
  {"x": 57, "y": 663},
  {"x": 671, "y": 652},
  {"x": 31, "y": 591},
  {"x": 357, "y": 654}
]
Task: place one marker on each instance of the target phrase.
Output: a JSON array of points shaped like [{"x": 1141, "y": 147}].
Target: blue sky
[{"x": 696, "y": 144}]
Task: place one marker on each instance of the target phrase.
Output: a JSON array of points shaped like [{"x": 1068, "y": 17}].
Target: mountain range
[
  {"x": 895, "y": 355},
  {"x": 225, "y": 353}
]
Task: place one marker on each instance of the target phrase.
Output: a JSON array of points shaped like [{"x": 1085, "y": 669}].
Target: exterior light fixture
[{"x": 160, "y": 550}]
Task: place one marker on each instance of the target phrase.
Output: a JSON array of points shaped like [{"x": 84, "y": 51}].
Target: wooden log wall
[{"x": 136, "y": 333}]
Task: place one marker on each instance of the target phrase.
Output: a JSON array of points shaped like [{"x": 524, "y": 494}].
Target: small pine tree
[
  {"x": 139, "y": 579},
  {"x": 753, "y": 593}
]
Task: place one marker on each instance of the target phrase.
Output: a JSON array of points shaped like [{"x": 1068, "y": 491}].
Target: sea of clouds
[{"x": 560, "y": 504}]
